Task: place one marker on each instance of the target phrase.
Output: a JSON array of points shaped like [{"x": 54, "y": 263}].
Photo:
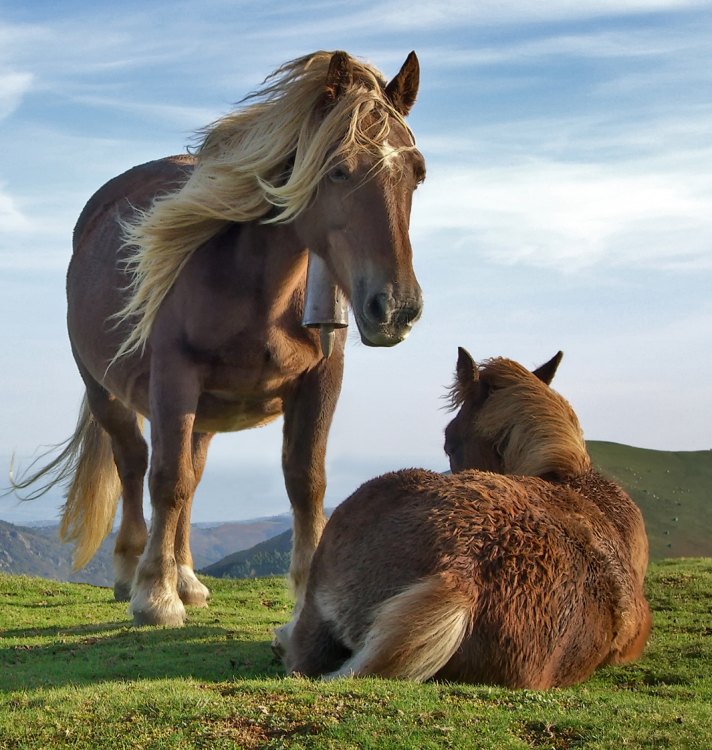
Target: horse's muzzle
[{"x": 386, "y": 319}]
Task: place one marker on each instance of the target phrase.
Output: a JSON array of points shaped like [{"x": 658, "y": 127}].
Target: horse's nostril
[
  {"x": 383, "y": 309},
  {"x": 377, "y": 308}
]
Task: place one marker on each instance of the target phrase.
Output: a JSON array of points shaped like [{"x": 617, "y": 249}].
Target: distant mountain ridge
[
  {"x": 672, "y": 488},
  {"x": 37, "y": 551}
]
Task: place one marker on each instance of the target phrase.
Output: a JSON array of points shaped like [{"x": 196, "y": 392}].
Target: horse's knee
[
  {"x": 170, "y": 488},
  {"x": 131, "y": 465}
]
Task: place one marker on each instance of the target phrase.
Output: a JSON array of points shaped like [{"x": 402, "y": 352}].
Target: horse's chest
[{"x": 245, "y": 382}]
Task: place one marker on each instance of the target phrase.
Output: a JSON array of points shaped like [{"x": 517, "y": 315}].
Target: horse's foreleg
[
  {"x": 154, "y": 598},
  {"x": 190, "y": 589},
  {"x": 307, "y": 419}
]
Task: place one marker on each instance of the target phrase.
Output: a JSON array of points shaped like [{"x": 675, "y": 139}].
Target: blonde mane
[
  {"x": 261, "y": 162},
  {"x": 534, "y": 428}
]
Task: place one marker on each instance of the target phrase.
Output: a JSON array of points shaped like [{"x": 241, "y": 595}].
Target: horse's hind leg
[
  {"x": 190, "y": 589},
  {"x": 131, "y": 458}
]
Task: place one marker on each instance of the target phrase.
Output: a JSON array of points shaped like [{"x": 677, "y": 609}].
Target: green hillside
[
  {"x": 74, "y": 674},
  {"x": 39, "y": 552},
  {"x": 672, "y": 488},
  {"x": 267, "y": 558}
]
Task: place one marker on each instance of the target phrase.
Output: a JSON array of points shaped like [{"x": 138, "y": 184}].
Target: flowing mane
[
  {"x": 534, "y": 428},
  {"x": 261, "y": 162}
]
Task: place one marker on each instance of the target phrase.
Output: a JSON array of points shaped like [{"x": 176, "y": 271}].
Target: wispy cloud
[
  {"x": 400, "y": 16},
  {"x": 572, "y": 216},
  {"x": 186, "y": 117},
  {"x": 12, "y": 220},
  {"x": 13, "y": 86},
  {"x": 676, "y": 46}
]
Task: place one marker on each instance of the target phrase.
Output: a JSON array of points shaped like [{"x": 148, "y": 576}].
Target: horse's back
[
  {"x": 132, "y": 190},
  {"x": 97, "y": 281}
]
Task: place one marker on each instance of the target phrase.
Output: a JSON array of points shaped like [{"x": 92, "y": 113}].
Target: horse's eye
[{"x": 339, "y": 174}]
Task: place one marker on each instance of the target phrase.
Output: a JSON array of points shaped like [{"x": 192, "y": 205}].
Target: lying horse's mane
[
  {"x": 261, "y": 162},
  {"x": 533, "y": 428}
]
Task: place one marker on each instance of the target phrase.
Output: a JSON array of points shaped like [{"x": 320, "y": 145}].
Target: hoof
[
  {"x": 193, "y": 598},
  {"x": 122, "y": 592},
  {"x": 163, "y": 610},
  {"x": 147, "y": 617},
  {"x": 190, "y": 590}
]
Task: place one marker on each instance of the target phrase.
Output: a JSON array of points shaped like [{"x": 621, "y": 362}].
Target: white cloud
[
  {"x": 676, "y": 46},
  {"x": 12, "y": 219},
  {"x": 186, "y": 117},
  {"x": 400, "y": 16},
  {"x": 13, "y": 86},
  {"x": 571, "y": 216}
]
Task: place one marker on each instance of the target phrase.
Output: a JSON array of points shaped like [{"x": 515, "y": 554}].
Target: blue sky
[{"x": 568, "y": 206}]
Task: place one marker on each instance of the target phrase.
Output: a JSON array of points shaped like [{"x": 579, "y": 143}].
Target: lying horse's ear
[
  {"x": 546, "y": 372},
  {"x": 466, "y": 371},
  {"x": 403, "y": 89},
  {"x": 338, "y": 79}
]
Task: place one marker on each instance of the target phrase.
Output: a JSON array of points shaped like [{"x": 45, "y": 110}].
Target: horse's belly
[{"x": 222, "y": 413}]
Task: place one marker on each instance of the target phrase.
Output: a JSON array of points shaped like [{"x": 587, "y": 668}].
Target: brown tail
[
  {"x": 86, "y": 464},
  {"x": 415, "y": 633}
]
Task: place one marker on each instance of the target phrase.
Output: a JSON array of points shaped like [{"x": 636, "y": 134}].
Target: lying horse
[
  {"x": 187, "y": 295},
  {"x": 523, "y": 568}
]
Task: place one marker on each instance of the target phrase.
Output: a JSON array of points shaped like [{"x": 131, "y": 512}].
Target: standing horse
[
  {"x": 186, "y": 295},
  {"x": 528, "y": 575}
]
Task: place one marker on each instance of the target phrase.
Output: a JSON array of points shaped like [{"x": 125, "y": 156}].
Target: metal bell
[{"x": 325, "y": 305}]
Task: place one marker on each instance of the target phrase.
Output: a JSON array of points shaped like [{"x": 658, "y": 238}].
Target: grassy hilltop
[
  {"x": 672, "y": 488},
  {"x": 74, "y": 674}
]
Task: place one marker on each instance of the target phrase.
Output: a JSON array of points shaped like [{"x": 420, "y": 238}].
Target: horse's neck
[{"x": 268, "y": 260}]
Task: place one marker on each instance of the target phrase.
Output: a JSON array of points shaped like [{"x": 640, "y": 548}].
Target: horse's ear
[
  {"x": 403, "y": 89},
  {"x": 546, "y": 372},
  {"x": 466, "y": 370},
  {"x": 338, "y": 79}
]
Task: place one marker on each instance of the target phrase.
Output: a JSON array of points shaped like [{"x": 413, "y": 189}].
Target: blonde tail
[
  {"x": 415, "y": 633},
  {"x": 93, "y": 492}
]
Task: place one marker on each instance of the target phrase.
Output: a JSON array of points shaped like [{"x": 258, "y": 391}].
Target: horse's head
[
  {"x": 358, "y": 219},
  {"x": 510, "y": 421}
]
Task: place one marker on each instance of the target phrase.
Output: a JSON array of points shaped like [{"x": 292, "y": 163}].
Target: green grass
[{"x": 74, "y": 674}]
